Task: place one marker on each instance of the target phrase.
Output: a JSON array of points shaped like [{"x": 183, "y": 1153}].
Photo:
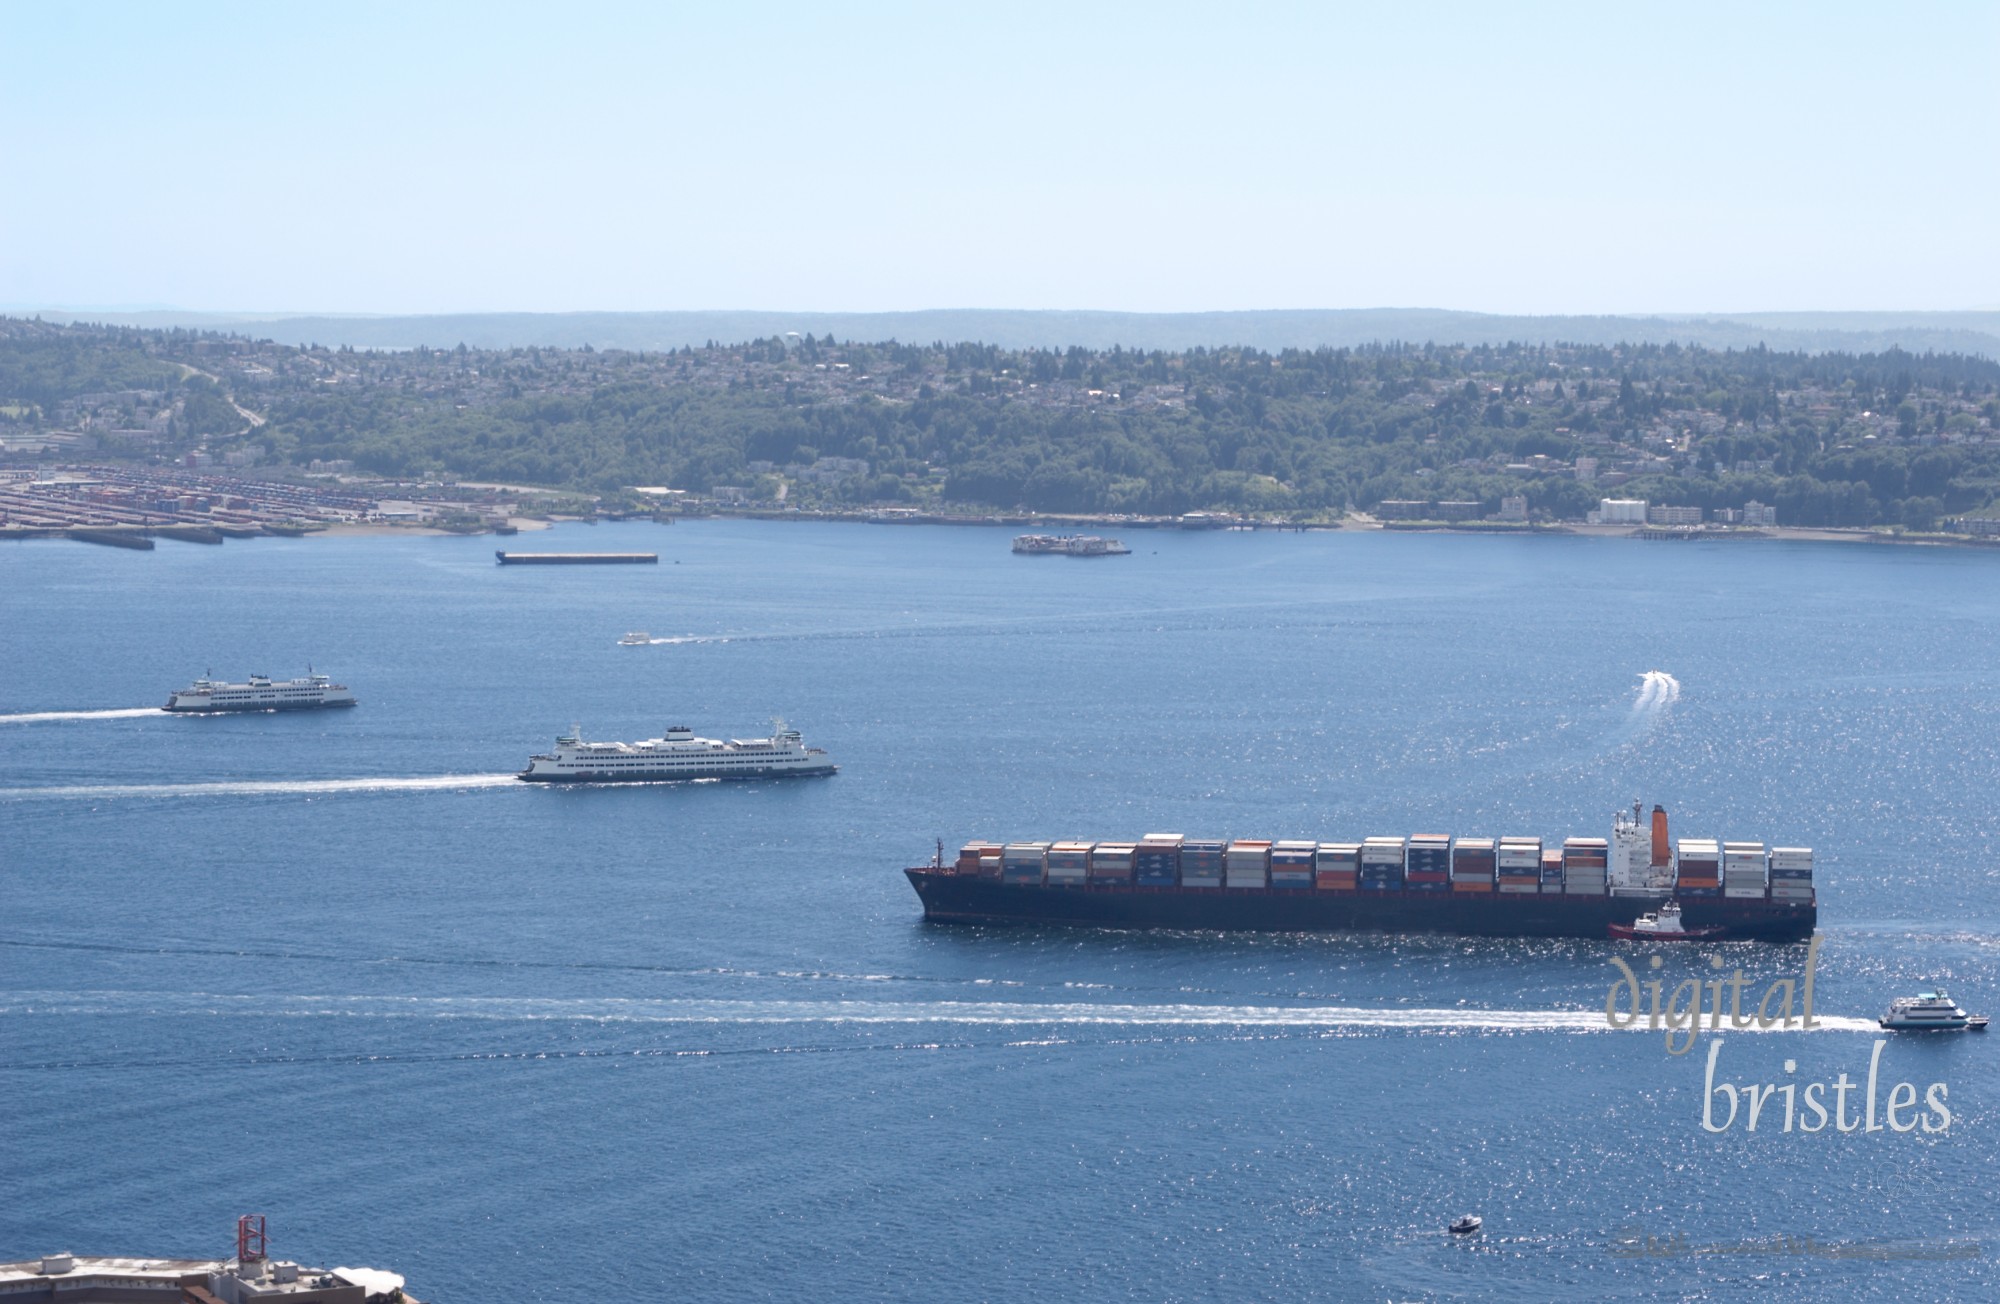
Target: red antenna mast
[{"x": 250, "y": 1238}]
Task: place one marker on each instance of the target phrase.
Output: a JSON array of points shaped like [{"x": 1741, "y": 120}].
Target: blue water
[{"x": 569, "y": 1045}]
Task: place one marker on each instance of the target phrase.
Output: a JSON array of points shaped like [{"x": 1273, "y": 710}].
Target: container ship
[
  {"x": 1428, "y": 882},
  {"x": 678, "y": 755},
  {"x": 260, "y": 694}
]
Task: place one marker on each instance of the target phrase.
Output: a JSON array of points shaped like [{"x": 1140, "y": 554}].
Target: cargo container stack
[
  {"x": 1023, "y": 862},
  {"x": 1552, "y": 870},
  {"x": 1292, "y": 865},
  {"x": 1743, "y": 870},
  {"x": 1427, "y": 863},
  {"x": 1472, "y": 865},
  {"x": 1111, "y": 862},
  {"x": 1382, "y": 865},
  {"x": 1068, "y": 864},
  {"x": 1519, "y": 866},
  {"x": 1157, "y": 861},
  {"x": 1201, "y": 862},
  {"x": 1791, "y": 875},
  {"x": 1337, "y": 866},
  {"x": 1247, "y": 863},
  {"x": 1697, "y": 868},
  {"x": 1584, "y": 863},
  {"x": 980, "y": 858}
]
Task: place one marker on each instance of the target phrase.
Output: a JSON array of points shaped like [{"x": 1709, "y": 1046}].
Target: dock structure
[{"x": 577, "y": 558}]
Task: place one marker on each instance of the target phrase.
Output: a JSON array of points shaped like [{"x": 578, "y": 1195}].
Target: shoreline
[{"x": 1357, "y": 523}]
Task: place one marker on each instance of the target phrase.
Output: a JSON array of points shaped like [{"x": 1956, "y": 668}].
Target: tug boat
[
  {"x": 1664, "y": 925},
  {"x": 1930, "y": 1012}
]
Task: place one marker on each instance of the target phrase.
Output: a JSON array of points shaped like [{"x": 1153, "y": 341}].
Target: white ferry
[
  {"x": 1930, "y": 1011},
  {"x": 679, "y": 755},
  {"x": 261, "y": 694}
]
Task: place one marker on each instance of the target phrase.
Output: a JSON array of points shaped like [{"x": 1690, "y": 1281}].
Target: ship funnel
[{"x": 1662, "y": 849}]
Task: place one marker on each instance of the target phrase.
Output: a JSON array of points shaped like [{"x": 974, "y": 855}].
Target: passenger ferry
[
  {"x": 260, "y": 694},
  {"x": 1930, "y": 1011},
  {"x": 678, "y": 755}
]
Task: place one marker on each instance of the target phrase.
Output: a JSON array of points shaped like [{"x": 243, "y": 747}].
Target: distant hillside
[
  {"x": 1974, "y": 333},
  {"x": 1892, "y": 438}
]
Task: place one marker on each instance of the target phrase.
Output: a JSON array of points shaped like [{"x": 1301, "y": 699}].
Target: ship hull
[
  {"x": 253, "y": 707},
  {"x": 681, "y": 776},
  {"x": 968, "y": 899}
]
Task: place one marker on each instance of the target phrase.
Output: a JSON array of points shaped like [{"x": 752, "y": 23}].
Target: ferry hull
[
  {"x": 253, "y": 707},
  {"x": 967, "y": 899},
  {"x": 682, "y": 776}
]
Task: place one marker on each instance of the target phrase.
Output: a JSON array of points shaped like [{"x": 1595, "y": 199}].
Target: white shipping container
[
  {"x": 1521, "y": 889},
  {"x": 1245, "y": 878}
]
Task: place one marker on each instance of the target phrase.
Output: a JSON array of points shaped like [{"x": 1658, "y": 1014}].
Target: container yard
[{"x": 1512, "y": 886}]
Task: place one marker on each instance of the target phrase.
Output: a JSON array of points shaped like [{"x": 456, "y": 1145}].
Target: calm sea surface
[{"x": 636, "y": 1043}]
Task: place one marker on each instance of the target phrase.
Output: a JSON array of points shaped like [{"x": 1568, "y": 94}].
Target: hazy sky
[{"x": 1600, "y": 157}]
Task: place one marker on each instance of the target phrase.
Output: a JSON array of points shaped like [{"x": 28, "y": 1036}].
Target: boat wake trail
[
  {"x": 259, "y": 788},
  {"x": 39, "y": 717},
  {"x": 1658, "y": 691},
  {"x": 764, "y": 1012}
]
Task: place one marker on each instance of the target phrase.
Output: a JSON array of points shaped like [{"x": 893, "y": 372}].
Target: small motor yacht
[
  {"x": 1664, "y": 925},
  {"x": 1466, "y": 1224},
  {"x": 1930, "y": 1012},
  {"x": 637, "y": 638}
]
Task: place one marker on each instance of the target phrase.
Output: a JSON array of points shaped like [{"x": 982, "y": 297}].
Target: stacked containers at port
[
  {"x": 1023, "y": 862},
  {"x": 1791, "y": 875},
  {"x": 1518, "y": 866},
  {"x": 1248, "y": 863},
  {"x": 1157, "y": 860},
  {"x": 1584, "y": 861},
  {"x": 1382, "y": 865},
  {"x": 1697, "y": 868},
  {"x": 1472, "y": 863},
  {"x": 1201, "y": 862},
  {"x": 1743, "y": 870},
  {"x": 1337, "y": 866},
  {"x": 1069, "y": 864},
  {"x": 1427, "y": 863},
  {"x": 1111, "y": 862},
  {"x": 1292, "y": 864}
]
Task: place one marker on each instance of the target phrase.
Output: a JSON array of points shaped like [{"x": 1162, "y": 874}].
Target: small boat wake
[
  {"x": 259, "y": 787},
  {"x": 1658, "y": 690},
  {"x": 42, "y": 717}
]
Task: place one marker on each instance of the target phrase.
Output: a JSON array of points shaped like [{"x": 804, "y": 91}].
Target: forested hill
[{"x": 1829, "y": 438}]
